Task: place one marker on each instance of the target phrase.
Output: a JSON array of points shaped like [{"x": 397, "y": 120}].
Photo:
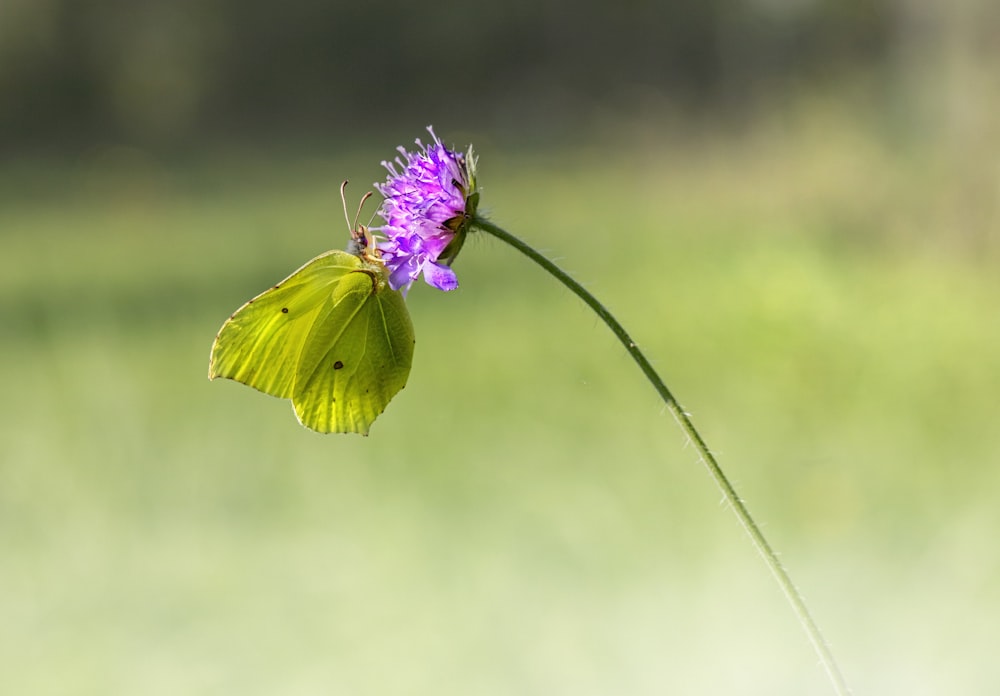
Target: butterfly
[{"x": 333, "y": 337}]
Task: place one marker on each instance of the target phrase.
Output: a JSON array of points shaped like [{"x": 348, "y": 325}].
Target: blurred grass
[{"x": 525, "y": 517}]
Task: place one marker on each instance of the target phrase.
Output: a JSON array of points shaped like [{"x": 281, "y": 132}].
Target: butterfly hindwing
[{"x": 356, "y": 360}]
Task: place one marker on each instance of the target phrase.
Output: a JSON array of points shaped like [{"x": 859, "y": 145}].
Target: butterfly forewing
[{"x": 260, "y": 345}]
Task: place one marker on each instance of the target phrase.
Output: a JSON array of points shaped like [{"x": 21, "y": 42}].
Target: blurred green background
[{"x": 792, "y": 206}]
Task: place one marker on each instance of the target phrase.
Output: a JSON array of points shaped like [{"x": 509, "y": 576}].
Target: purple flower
[{"x": 430, "y": 200}]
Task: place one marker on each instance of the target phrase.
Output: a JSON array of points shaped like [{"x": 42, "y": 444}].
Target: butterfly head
[{"x": 361, "y": 242}]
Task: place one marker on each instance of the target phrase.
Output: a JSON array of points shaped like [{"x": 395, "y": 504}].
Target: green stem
[{"x": 708, "y": 459}]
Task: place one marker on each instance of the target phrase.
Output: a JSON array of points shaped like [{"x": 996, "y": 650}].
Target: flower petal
[
  {"x": 424, "y": 190},
  {"x": 440, "y": 276}
]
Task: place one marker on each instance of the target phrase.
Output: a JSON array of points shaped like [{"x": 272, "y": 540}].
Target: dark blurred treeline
[{"x": 166, "y": 72}]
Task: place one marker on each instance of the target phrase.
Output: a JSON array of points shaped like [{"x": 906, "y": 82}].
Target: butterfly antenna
[
  {"x": 360, "y": 206},
  {"x": 343, "y": 200}
]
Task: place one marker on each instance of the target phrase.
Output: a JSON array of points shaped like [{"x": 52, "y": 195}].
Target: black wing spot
[
  {"x": 337, "y": 365},
  {"x": 284, "y": 310}
]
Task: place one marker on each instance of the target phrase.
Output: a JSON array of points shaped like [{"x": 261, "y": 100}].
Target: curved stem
[{"x": 708, "y": 459}]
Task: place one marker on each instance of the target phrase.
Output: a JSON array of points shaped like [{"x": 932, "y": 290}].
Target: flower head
[{"x": 430, "y": 200}]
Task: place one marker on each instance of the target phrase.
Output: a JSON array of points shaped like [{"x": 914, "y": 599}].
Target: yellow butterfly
[{"x": 333, "y": 337}]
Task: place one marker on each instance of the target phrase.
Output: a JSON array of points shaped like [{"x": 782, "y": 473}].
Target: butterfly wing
[
  {"x": 333, "y": 337},
  {"x": 357, "y": 357},
  {"x": 261, "y": 343}
]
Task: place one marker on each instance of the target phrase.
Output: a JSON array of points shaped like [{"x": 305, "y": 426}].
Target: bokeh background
[{"x": 791, "y": 204}]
